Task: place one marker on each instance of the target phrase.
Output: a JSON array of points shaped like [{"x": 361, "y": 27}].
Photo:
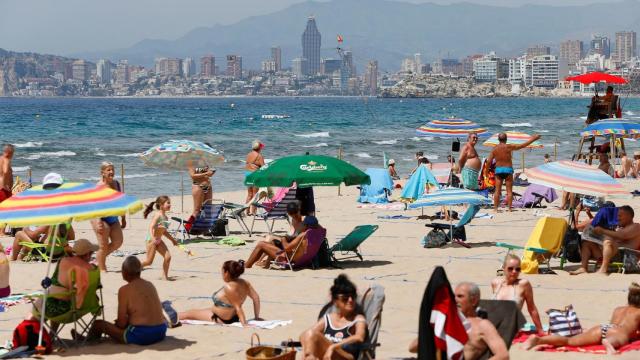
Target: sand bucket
[{"x": 259, "y": 352}]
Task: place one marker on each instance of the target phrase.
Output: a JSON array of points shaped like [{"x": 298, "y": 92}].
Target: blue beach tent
[{"x": 380, "y": 188}]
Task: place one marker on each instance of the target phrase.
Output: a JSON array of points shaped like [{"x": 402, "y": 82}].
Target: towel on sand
[
  {"x": 592, "y": 349},
  {"x": 264, "y": 324},
  {"x": 17, "y": 299},
  {"x": 505, "y": 316}
]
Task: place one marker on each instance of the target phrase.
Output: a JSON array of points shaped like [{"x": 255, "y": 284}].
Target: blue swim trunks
[
  {"x": 145, "y": 335},
  {"x": 503, "y": 172},
  {"x": 110, "y": 220}
]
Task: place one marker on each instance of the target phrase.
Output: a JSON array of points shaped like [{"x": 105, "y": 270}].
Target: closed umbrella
[{"x": 451, "y": 128}]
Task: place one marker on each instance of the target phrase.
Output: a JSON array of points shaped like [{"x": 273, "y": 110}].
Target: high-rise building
[
  {"x": 542, "y": 71},
  {"x": 168, "y": 67},
  {"x": 371, "y": 78},
  {"x": 208, "y": 66},
  {"x": 600, "y": 45},
  {"x": 311, "y": 41},
  {"x": 188, "y": 67},
  {"x": 467, "y": 64},
  {"x": 347, "y": 58},
  {"x": 268, "y": 66},
  {"x": 160, "y": 65},
  {"x": 538, "y": 50},
  {"x": 234, "y": 66},
  {"x": 276, "y": 57},
  {"x": 103, "y": 71},
  {"x": 299, "y": 67},
  {"x": 571, "y": 52},
  {"x": 490, "y": 68},
  {"x": 625, "y": 45},
  {"x": 417, "y": 62},
  {"x": 447, "y": 67},
  {"x": 80, "y": 70},
  {"x": 122, "y": 73},
  {"x": 408, "y": 65},
  {"x": 329, "y": 66}
]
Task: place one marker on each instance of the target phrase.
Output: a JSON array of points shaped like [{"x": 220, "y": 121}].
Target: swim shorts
[{"x": 145, "y": 335}]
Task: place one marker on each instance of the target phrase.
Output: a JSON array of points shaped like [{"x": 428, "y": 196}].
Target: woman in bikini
[
  {"x": 201, "y": 187},
  {"x": 254, "y": 161},
  {"x": 228, "y": 300},
  {"x": 511, "y": 287},
  {"x": 338, "y": 334},
  {"x": 108, "y": 228},
  {"x": 157, "y": 229}
]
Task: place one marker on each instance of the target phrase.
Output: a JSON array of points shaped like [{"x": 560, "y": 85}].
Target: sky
[{"x": 73, "y": 26}]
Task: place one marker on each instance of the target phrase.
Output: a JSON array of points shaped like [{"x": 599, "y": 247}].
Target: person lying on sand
[{"x": 624, "y": 324}]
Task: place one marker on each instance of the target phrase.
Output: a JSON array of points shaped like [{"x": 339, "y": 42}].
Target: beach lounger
[
  {"x": 210, "y": 222},
  {"x": 533, "y": 196},
  {"x": 459, "y": 235},
  {"x": 238, "y": 212},
  {"x": 352, "y": 241},
  {"x": 315, "y": 239},
  {"x": 277, "y": 211},
  {"x": 92, "y": 305}
]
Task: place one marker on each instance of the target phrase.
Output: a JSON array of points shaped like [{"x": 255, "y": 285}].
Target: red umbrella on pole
[{"x": 596, "y": 77}]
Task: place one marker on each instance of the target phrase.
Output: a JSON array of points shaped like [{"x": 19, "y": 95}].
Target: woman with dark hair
[
  {"x": 228, "y": 300},
  {"x": 337, "y": 335}
]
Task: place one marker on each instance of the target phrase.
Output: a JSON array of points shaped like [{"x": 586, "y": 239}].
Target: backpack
[
  {"x": 434, "y": 239},
  {"x": 323, "y": 257},
  {"x": 26, "y": 334},
  {"x": 571, "y": 244}
]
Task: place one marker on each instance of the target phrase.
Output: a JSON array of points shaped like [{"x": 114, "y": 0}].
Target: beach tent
[
  {"x": 416, "y": 185},
  {"x": 380, "y": 188}
]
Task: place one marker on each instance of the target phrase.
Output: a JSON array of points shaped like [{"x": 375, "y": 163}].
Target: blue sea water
[{"x": 74, "y": 135}]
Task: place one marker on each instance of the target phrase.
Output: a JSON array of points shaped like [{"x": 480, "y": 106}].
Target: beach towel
[
  {"x": 125, "y": 253},
  {"x": 533, "y": 196},
  {"x": 591, "y": 349},
  {"x": 606, "y": 217},
  {"x": 231, "y": 241},
  {"x": 506, "y": 317},
  {"x": 263, "y": 324},
  {"x": 394, "y": 217},
  {"x": 379, "y": 189},
  {"x": 13, "y": 300},
  {"x": 388, "y": 206}
]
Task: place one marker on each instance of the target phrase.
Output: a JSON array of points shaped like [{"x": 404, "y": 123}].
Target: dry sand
[{"x": 393, "y": 258}]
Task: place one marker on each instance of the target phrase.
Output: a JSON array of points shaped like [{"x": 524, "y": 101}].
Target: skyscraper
[
  {"x": 188, "y": 67},
  {"x": 103, "y": 71},
  {"x": 208, "y": 66},
  {"x": 276, "y": 57},
  {"x": 80, "y": 70},
  {"x": 625, "y": 45},
  {"x": 299, "y": 66},
  {"x": 417, "y": 62},
  {"x": 600, "y": 45},
  {"x": 538, "y": 50},
  {"x": 571, "y": 51},
  {"x": 234, "y": 66},
  {"x": 311, "y": 41},
  {"x": 122, "y": 73},
  {"x": 371, "y": 78}
]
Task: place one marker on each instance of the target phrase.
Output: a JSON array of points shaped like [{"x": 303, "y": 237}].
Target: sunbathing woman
[
  {"x": 293, "y": 211},
  {"x": 228, "y": 300},
  {"x": 511, "y": 287},
  {"x": 337, "y": 335},
  {"x": 620, "y": 331},
  {"x": 157, "y": 229},
  {"x": 201, "y": 187}
]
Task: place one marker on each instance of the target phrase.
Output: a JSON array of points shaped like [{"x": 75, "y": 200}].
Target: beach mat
[
  {"x": 591, "y": 349},
  {"x": 265, "y": 324}
]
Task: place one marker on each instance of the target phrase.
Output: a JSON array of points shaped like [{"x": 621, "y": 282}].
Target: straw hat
[{"x": 83, "y": 247}]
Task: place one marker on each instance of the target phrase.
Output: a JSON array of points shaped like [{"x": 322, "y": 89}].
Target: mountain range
[{"x": 389, "y": 31}]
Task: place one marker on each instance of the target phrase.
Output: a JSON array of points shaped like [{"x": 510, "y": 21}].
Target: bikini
[
  {"x": 219, "y": 303},
  {"x": 205, "y": 186},
  {"x": 514, "y": 297},
  {"x": 110, "y": 220},
  {"x": 164, "y": 222},
  {"x": 248, "y": 172}
]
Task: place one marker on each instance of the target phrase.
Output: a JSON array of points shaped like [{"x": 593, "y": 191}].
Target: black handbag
[{"x": 572, "y": 243}]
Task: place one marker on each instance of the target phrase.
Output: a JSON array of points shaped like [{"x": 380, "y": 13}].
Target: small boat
[{"x": 274, "y": 116}]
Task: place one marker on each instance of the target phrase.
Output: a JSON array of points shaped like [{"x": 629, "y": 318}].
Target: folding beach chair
[
  {"x": 277, "y": 211},
  {"x": 43, "y": 251},
  {"x": 210, "y": 222},
  {"x": 237, "y": 212},
  {"x": 351, "y": 242},
  {"x": 533, "y": 196},
  {"x": 459, "y": 235},
  {"x": 92, "y": 305},
  {"x": 297, "y": 259}
]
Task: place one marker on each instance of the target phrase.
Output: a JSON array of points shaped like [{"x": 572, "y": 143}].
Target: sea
[{"x": 73, "y": 136}]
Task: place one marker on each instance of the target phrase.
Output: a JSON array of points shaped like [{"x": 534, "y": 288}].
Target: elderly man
[
  {"x": 502, "y": 154},
  {"x": 627, "y": 235},
  {"x": 140, "y": 318},
  {"x": 483, "y": 335},
  {"x": 470, "y": 163}
]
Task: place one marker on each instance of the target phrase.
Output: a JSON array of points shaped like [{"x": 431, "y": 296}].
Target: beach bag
[
  {"x": 26, "y": 334},
  {"x": 434, "y": 239},
  {"x": 630, "y": 262},
  {"x": 564, "y": 322},
  {"x": 259, "y": 352},
  {"x": 571, "y": 246},
  {"x": 323, "y": 257}
]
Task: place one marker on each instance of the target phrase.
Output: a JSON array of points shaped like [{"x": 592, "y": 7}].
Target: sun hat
[
  {"x": 310, "y": 221},
  {"x": 636, "y": 153},
  {"x": 391, "y": 161},
  {"x": 257, "y": 145},
  {"x": 83, "y": 247},
  {"x": 52, "y": 180}
]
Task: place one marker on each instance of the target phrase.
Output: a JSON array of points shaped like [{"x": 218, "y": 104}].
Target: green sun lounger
[{"x": 352, "y": 241}]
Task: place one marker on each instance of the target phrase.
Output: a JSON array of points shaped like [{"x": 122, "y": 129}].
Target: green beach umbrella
[{"x": 307, "y": 170}]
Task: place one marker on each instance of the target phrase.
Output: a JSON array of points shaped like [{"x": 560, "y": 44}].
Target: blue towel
[{"x": 606, "y": 217}]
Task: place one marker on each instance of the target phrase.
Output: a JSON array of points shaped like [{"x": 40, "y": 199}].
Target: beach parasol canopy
[
  {"x": 307, "y": 170},
  {"x": 450, "y": 196},
  {"x": 451, "y": 128},
  {"x": 514, "y": 138},
  {"x": 596, "y": 77},
  {"x": 70, "y": 201},
  {"x": 179, "y": 154},
  {"x": 417, "y": 183},
  {"x": 616, "y": 127},
  {"x": 576, "y": 177}
]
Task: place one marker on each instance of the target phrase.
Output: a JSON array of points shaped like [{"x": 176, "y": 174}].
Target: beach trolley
[{"x": 611, "y": 132}]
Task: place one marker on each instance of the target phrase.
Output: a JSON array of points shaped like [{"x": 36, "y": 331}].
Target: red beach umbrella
[{"x": 596, "y": 77}]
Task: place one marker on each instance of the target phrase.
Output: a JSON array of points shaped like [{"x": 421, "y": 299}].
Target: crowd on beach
[{"x": 340, "y": 334}]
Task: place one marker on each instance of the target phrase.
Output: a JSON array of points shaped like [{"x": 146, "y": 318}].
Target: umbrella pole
[
  {"x": 555, "y": 149},
  {"x": 122, "y": 176},
  {"x": 46, "y": 283},
  {"x": 181, "y": 193},
  {"x": 522, "y": 160}
]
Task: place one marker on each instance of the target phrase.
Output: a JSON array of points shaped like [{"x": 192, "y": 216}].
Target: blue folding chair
[{"x": 210, "y": 222}]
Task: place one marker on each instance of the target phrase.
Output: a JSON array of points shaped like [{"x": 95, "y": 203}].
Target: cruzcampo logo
[{"x": 313, "y": 166}]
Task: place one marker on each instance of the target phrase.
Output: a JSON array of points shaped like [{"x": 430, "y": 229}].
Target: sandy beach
[{"x": 393, "y": 258}]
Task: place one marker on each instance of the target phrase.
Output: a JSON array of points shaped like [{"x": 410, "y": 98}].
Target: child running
[{"x": 158, "y": 228}]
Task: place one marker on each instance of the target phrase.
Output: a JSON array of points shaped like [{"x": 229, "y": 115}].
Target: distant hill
[
  {"x": 16, "y": 67},
  {"x": 388, "y": 31}
]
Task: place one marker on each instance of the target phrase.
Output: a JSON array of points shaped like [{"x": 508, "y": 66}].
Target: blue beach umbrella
[
  {"x": 416, "y": 185},
  {"x": 450, "y": 196}
]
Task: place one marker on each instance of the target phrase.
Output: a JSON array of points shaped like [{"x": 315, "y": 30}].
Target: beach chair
[
  {"x": 297, "y": 259},
  {"x": 210, "y": 222},
  {"x": 276, "y": 212},
  {"x": 351, "y": 242},
  {"x": 237, "y": 212},
  {"x": 533, "y": 196},
  {"x": 43, "y": 251},
  {"x": 459, "y": 235},
  {"x": 92, "y": 306}
]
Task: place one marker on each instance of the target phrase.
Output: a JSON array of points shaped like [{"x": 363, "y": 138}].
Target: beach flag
[{"x": 441, "y": 328}]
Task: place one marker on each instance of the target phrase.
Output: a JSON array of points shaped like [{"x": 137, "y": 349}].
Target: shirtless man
[
  {"x": 140, "y": 318},
  {"x": 483, "y": 335},
  {"x": 627, "y": 234},
  {"x": 470, "y": 163},
  {"x": 504, "y": 167},
  {"x": 626, "y": 167},
  {"x": 624, "y": 323},
  {"x": 605, "y": 165},
  {"x": 6, "y": 173}
]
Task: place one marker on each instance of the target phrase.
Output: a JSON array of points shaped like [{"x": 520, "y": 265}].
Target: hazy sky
[{"x": 68, "y": 26}]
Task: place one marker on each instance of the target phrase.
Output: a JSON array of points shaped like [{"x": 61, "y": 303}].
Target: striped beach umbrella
[
  {"x": 615, "y": 127},
  {"x": 576, "y": 177},
  {"x": 513, "y": 138},
  {"x": 450, "y": 196},
  {"x": 179, "y": 154},
  {"x": 70, "y": 201},
  {"x": 451, "y": 128}
]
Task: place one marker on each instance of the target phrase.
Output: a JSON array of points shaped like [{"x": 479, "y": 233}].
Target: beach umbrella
[
  {"x": 576, "y": 177},
  {"x": 615, "y": 127},
  {"x": 451, "y": 128},
  {"x": 179, "y": 154},
  {"x": 306, "y": 171},
  {"x": 68, "y": 202},
  {"x": 451, "y": 196},
  {"x": 596, "y": 77},
  {"x": 417, "y": 183},
  {"x": 513, "y": 138}
]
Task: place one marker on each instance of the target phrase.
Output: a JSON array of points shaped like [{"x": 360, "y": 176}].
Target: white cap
[
  {"x": 52, "y": 180},
  {"x": 391, "y": 162}
]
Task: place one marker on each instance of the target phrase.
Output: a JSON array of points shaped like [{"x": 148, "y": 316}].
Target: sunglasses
[
  {"x": 516, "y": 269},
  {"x": 345, "y": 297}
]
